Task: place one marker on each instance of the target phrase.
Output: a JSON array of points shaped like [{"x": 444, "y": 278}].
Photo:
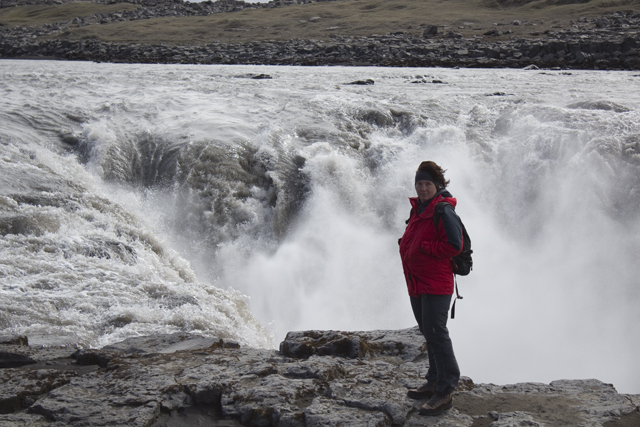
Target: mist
[{"x": 554, "y": 289}]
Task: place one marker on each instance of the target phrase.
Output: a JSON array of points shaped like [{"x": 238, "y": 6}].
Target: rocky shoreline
[
  {"x": 610, "y": 42},
  {"x": 317, "y": 378}
]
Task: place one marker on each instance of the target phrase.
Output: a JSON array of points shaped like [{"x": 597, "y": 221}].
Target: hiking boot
[
  {"x": 437, "y": 404},
  {"x": 425, "y": 391}
]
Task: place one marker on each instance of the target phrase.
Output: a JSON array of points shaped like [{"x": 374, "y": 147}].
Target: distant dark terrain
[{"x": 596, "y": 34}]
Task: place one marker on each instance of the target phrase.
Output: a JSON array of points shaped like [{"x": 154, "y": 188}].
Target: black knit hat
[{"x": 425, "y": 176}]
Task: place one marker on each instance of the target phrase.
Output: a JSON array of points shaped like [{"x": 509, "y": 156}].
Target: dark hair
[{"x": 436, "y": 172}]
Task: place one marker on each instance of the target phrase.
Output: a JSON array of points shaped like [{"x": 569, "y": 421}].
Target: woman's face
[{"x": 425, "y": 190}]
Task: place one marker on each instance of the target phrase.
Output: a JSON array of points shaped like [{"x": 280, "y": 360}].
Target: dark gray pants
[{"x": 432, "y": 312}]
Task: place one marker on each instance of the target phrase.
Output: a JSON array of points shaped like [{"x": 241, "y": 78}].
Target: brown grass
[{"x": 354, "y": 17}]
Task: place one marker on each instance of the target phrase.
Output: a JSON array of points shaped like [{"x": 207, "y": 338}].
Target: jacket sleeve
[{"x": 449, "y": 243}]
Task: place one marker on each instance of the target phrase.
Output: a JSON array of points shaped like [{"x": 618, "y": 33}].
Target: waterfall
[{"x": 139, "y": 199}]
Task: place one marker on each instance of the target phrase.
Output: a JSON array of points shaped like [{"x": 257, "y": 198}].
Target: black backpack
[{"x": 462, "y": 263}]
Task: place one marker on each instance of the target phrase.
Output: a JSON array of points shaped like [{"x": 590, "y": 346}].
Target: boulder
[
  {"x": 407, "y": 344},
  {"x": 430, "y": 31}
]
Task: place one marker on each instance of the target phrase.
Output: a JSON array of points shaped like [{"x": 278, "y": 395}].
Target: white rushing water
[{"x": 138, "y": 199}]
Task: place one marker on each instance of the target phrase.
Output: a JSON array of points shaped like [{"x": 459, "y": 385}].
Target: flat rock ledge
[{"x": 317, "y": 378}]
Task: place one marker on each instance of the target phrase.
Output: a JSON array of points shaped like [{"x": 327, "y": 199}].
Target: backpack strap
[
  {"x": 438, "y": 211},
  {"x": 458, "y": 296},
  {"x": 410, "y": 215}
]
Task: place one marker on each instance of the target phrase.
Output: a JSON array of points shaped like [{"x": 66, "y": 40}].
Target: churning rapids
[{"x": 141, "y": 199}]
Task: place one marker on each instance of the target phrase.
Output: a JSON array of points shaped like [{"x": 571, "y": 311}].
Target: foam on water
[{"x": 140, "y": 199}]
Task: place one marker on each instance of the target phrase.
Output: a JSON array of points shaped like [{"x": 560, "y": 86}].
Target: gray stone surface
[{"x": 360, "y": 379}]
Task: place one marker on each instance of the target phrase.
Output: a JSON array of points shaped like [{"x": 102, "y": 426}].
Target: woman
[{"x": 426, "y": 252}]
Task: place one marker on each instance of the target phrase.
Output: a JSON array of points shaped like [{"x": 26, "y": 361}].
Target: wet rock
[
  {"x": 167, "y": 343},
  {"x": 13, "y": 360},
  {"x": 365, "y": 82},
  {"x": 91, "y": 358},
  {"x": 13, "y": 340},
  {"x": 599, "y": 105}
]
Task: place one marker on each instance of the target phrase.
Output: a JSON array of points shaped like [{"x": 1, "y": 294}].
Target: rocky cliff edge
[{"x": 317, "y": 378}]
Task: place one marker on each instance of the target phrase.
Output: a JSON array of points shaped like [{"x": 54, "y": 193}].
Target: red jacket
[{"x": 426, "y": 252}]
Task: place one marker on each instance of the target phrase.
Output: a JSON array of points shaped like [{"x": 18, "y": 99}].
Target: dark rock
[
  {"x": 91, "y": 357},
  {"x": 261, "y": 77},
  {"x": 582, "y": 57},
  {"x": 328, "y": 343},
  {"x": 599, "y": 105},
  {"x": 406, "y": 344},
  {"x": 168, "y": 343},
  {"x": 13, "y": 360},
  {"x": 14, "y": 340},
  {"x": 20, "y": 388},
  {"x": 628, "y": 44},
  {"x": 452, "y": 35},
  {"x": 361, "y": 82},
  {"x": 430, "y": 31},
  {"x": 375, "y": 117}
]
